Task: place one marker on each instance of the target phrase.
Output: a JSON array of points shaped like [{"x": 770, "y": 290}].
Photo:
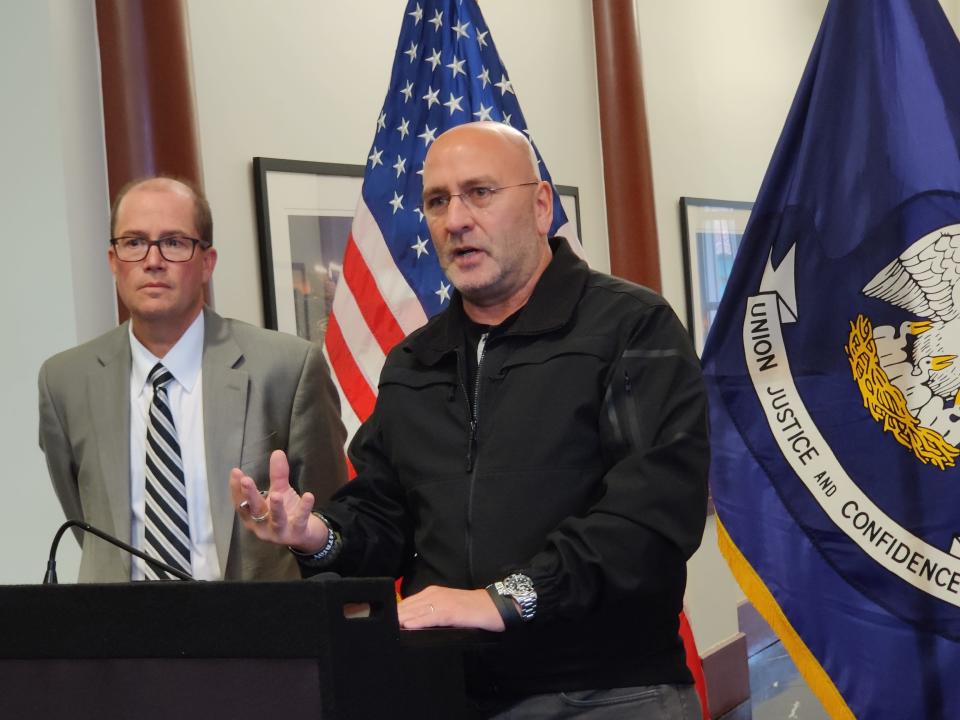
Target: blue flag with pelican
[{"x": 833, "y": 366}]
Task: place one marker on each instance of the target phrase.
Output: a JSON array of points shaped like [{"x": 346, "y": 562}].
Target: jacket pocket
[
  {"x": 595, "y": 346},
  {"x": 415, "y": 379}
]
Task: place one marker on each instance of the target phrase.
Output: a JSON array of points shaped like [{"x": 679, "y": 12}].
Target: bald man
[
  {"x": 141, "y": 426},
  {"x": 536, "y": 461}
]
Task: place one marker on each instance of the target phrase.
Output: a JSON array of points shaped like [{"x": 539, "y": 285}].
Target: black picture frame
[
  {"x": 711, "y": 231},
  {"x": 570, "y": 199},
  {"x": 285, "y": 190}
]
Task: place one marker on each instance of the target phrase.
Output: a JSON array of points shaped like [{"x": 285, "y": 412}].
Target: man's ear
[
  {"x": 544, "y": 207},
  {"x": 209, "y": 263}
]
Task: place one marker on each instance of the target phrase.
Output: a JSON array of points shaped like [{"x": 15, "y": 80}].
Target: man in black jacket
[{"x": 536, "y": 461}]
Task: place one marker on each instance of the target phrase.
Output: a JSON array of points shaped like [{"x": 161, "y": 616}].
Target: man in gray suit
[{"x": 141, "y": 426}]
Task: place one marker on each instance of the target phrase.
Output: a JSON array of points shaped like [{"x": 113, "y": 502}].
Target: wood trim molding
[
  {"x": 148, "y": 100},
  {"x": 627, "y": 173}
]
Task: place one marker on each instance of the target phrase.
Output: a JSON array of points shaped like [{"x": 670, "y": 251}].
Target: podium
[{"x": 185, "y": 650}]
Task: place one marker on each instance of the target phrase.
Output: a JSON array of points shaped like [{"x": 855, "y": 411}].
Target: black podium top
[{"x": 358, "y": 665}]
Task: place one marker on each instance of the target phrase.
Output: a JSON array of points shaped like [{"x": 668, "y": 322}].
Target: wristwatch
[{"x": 520, "y": 588}]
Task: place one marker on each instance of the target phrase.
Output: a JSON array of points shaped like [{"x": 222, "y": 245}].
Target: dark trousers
[{"x": 650, "y": 702}]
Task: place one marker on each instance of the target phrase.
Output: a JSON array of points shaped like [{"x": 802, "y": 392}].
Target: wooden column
[
  {"x": 631, "y": 220},
  {"x": 148, "y": 99}
]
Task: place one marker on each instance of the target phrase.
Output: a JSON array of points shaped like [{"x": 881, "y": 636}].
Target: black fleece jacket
[{"x": 583, "y": 467}]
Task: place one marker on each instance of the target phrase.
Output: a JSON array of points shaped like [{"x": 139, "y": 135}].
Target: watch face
[{"x": 518, "y": 584}]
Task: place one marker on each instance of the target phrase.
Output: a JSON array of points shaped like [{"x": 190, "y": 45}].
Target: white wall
[
  {"x": 56, "y": 288},
  {"x": 719, "y": 79},
  {"x": 305, "y": 80},
  {"x": 952, "y": 10}
]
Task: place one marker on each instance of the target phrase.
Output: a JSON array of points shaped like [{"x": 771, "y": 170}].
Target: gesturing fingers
[
  {"x": 279, "y": 472},
  {"x": 251, "y": 503}
]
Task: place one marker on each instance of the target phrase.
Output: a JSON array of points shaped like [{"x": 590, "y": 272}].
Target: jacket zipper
[
  {"x": 474, "y": 402},
  {"x": 471, "y": 451}
]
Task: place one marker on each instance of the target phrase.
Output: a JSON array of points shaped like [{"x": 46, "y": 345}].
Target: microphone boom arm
[{"x": 50, "y": 578}]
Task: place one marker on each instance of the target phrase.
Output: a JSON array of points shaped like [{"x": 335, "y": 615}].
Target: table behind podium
[{"x": 186, "y": 650}]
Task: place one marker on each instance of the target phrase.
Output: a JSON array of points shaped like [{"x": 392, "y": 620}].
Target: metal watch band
[{"x": 519, "y": 587}]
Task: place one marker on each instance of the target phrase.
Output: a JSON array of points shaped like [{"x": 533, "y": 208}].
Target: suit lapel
[
  {"x": 224, "y": 418},
  {"x": 108, "y": 387}
]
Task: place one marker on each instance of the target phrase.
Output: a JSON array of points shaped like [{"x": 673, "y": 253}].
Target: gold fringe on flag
[{"x": 758, "y": 594}]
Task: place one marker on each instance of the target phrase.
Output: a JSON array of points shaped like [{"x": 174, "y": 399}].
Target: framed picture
[
  {"x": 711, "y": 231},
  {"x": 304, "y": 214},
  {"x": 570, "y": 200}
]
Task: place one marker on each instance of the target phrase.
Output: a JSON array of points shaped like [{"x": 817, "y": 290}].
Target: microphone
[{"x": 50, "y": 577}]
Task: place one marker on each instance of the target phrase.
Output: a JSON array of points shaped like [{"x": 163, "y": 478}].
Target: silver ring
[{"x": 245, "y": 505}]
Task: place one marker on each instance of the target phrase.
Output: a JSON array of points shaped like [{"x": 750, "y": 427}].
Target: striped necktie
[{"x": 166, "y": 526}]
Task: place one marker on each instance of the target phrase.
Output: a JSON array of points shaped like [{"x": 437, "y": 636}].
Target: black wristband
[
  {"x": 327, "y": 554},
  {"x": 505, "y": 606}
]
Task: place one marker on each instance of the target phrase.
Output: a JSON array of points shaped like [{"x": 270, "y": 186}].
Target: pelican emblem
[{"x": 909, "y": 375}]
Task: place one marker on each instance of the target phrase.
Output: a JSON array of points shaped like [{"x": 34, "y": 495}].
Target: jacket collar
[{"x": 550, "y": 307}]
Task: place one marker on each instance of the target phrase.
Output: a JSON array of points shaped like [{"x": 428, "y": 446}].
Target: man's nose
[
  {"x": 154, "y": 258},
  {"x": 459, "y": 215}
]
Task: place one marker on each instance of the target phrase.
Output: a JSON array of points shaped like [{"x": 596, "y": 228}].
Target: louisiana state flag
[{"x": 834, "y": 368}]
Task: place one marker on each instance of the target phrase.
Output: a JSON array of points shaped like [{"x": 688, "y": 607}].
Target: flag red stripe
[
  {"x": 379, "y": 318},
  {"x": 695, "y": 664},
  {"x": 354, "y": 385}
]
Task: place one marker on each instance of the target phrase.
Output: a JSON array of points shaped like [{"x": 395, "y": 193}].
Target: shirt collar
[
  {"x": 183, "y": 361},
  {"x": 551, "y": 305}
]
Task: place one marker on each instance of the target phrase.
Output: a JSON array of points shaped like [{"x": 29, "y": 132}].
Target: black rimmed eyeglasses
[{"x": 173, "y": 248}]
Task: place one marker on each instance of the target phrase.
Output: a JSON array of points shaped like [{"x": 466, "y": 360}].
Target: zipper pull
[{"x": 470, "y": 444}]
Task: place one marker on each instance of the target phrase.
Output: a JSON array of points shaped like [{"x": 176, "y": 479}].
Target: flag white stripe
[
  {"x": 393, "y": 286},
  {"x": 361, "y": 343},
  {"x": 349, "y": 418}
]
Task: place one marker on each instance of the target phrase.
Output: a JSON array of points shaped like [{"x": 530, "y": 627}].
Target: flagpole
[{"x": 627, "y": 173}]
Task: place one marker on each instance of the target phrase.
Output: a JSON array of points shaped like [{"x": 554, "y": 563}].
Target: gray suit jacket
[{"x": 262, "y": 391}]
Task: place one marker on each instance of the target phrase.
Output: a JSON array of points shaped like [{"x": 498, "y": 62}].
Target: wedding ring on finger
[{"x": 245, "y": 505}]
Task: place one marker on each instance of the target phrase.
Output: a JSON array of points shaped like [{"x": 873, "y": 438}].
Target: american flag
[{"x": 446, "y": 72}]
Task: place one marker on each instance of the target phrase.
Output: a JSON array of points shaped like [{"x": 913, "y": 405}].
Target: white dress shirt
[{"x": 185, "y": 395}]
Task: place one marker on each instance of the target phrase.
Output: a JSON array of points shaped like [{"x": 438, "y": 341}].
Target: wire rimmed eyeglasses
[
  {"x": 173, "y": 248},
  {"x": 478, "y": 197}
]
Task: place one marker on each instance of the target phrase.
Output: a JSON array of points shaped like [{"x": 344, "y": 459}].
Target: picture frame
[
  {"x": 570, "y": 200},
  {"x": 711, "y": 231},
  {"x": 304, "y": 213}
]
